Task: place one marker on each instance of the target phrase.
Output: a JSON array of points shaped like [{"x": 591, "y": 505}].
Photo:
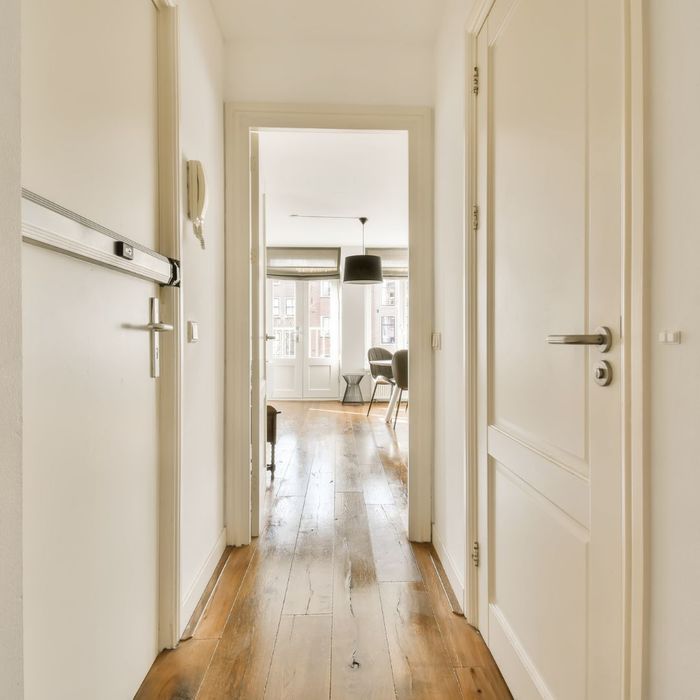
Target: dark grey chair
[
  {"x": 380, "y": 375},
  {"x": 399, "y": 366}
]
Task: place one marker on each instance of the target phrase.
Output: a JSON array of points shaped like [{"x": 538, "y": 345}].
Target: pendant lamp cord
[{"x": 363, "y": 221}]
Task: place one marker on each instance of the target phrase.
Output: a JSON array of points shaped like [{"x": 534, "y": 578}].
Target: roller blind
[
  {"x": 394, "y": 261},
  {"x": 303, "y": 263}
]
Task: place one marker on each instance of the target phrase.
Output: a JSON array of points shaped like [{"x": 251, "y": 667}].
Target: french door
[
  {"x": 550, "y": 164},
  {"x": 302, "y": 328}
]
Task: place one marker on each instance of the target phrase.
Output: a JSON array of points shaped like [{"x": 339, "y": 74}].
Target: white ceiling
[
  {"x": 335, "y": 174},
  {"x": 330, "y": 20}
]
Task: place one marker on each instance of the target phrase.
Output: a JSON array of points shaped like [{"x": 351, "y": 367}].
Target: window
[
  {"x": 276, "y": 306},
  {"x": 388, "y": 330},
  {"x": 290, "y": 307},
  {"x": 389, "y": 314},
  {"x": 325, "y": 290},
  {"x": 389, "y": 293},
  {"x": 325, "y": 327}
]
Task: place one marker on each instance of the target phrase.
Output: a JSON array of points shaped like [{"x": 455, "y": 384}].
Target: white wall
[
  {"x": 11, "y": 681},
  {"x": 202, "y": 138},
  {"x": 339, "y": 72},
  {"x": 449, "y": 528},
  {"x": 673, "y": 227}
]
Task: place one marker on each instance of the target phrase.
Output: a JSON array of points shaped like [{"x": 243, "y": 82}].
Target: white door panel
[
  {"x": 284, "y": 299},
  {"x": 321, "y": 352},
  {"x": 550, "y": 120},
  {"x": 90, "y": 479},
  {"x": 91, "y": 430}
]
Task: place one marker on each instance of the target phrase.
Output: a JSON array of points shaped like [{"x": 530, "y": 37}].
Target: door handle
[
  {"x": 269, "y": 337},
  {"x": 156, "y": 327},
  {"x": 602, "y": 338},
  {"x": 159, "y": 327}
]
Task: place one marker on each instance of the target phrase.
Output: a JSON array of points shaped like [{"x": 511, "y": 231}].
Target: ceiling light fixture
[{"x": 363, "y": 269}]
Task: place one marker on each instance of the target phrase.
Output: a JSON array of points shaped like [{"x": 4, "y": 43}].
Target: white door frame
[
  {"x": 634, "y": 369},
  {"x": 239, "y": 120},
  {"x": 170, "y": 382}
]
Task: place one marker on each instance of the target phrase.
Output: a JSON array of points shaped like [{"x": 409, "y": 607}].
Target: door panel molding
[{"x": 563, "y": 488}]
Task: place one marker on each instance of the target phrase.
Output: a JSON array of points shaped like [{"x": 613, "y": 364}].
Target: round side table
[{"x": 353, "y": 393}]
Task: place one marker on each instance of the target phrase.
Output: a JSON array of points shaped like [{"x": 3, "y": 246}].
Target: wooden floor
[{"x": 332, "y": 601}]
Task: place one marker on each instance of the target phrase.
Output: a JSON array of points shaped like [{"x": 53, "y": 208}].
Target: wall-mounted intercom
[{"x": 196, "y": 198}]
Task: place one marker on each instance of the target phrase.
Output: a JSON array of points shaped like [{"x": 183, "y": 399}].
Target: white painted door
[
  {"x": 285, "y": 352},
  {"x": 91, "y": 418},
  {"x": 304, "y": 358},
  {"x": 320, "y": 363},
  {"x": 259, "y": 364},
  {"x": 550, "y": 174}
]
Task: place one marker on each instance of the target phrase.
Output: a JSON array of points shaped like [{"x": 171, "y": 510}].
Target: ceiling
[
  {"x": 330, "y": 20},
  {"x": 333, "y": 173}
]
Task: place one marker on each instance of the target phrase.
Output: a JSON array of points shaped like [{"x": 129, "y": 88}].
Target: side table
[{"x": 353, "y": 392}]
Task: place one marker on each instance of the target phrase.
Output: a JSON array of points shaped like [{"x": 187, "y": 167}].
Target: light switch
[
  {"x": 436, "y": 340},
  {"x": 670, "y": 337},
  {"x": 192, "y": 332}
]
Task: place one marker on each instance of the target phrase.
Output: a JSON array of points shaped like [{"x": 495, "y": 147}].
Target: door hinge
[
  {"x": 475, "y": 80},
  {"x": 475, "y": 218},
  {"x": 475, "y": 554}
]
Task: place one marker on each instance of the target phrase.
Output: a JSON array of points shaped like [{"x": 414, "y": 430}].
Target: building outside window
[
  {"x": 290, "y": 307},
  {"x": 389, "y": 293},
  {"x": 388, "y": 330},
  {"x": 389, "y": 314}
]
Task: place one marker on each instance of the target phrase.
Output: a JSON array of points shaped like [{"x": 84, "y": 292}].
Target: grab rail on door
[{"x": 49, "y": 225}]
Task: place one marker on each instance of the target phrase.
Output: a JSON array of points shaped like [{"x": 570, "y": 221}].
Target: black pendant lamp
[{"x": 363, "y": 269}]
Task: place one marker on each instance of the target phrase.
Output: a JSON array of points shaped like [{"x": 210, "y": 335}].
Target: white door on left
[{"x": 91, "y": 443}]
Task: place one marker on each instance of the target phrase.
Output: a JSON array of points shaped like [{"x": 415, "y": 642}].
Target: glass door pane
[{"x": 284, "y": 320}]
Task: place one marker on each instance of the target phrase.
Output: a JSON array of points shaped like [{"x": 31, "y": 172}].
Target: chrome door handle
[
  {"x": 159, "y": 327},
  {"x": 602, "y": 338},
  {"x": 156, "y": 327},
  {"x": 269, "y": 337}
]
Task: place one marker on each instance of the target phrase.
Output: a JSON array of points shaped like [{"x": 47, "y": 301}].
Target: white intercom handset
[{"x": 197, "y": 197}]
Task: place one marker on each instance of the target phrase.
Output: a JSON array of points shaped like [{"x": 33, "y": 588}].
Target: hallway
[{"x": 332, "y": 600}]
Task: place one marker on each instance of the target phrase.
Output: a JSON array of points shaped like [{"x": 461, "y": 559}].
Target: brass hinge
[
  {"x": 475, "y": 81},
  {"x": 475, "y": 218},
  {"x": 475, "y": 553}
]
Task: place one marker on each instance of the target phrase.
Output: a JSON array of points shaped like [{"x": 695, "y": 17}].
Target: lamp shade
[{"x": 363, "y": 269}]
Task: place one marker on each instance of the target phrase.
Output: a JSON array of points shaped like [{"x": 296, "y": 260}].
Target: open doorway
[
  {"x": 251, "y": 219},
  {"x": 323, "y": 196}
]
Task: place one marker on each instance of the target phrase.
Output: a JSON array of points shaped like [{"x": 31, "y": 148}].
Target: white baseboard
[
  {"x": 190, "y": 601},
  {"x": 451, "y": 570}
]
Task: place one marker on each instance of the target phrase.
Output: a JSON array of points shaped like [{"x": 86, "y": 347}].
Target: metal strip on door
[{"x": 49, "y": 225}]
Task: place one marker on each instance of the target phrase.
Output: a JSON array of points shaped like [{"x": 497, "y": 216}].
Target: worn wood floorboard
[
  {"x": 361, "y": 667},
  {"x": 213, "y": 620},
  {"x": 331, "y": 601},
  {"x": 242, "y": 659},
  {"x": 301, "y": 665},
  {"x": 420, "y": 664},
  {"x": 178, "y": 673},
  {"x": 310, "y": 589}
]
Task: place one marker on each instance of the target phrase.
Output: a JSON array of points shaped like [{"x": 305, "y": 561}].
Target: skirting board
[
  {"x": 449, "y": 567},
  {"x": 201, "y": 581}
]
